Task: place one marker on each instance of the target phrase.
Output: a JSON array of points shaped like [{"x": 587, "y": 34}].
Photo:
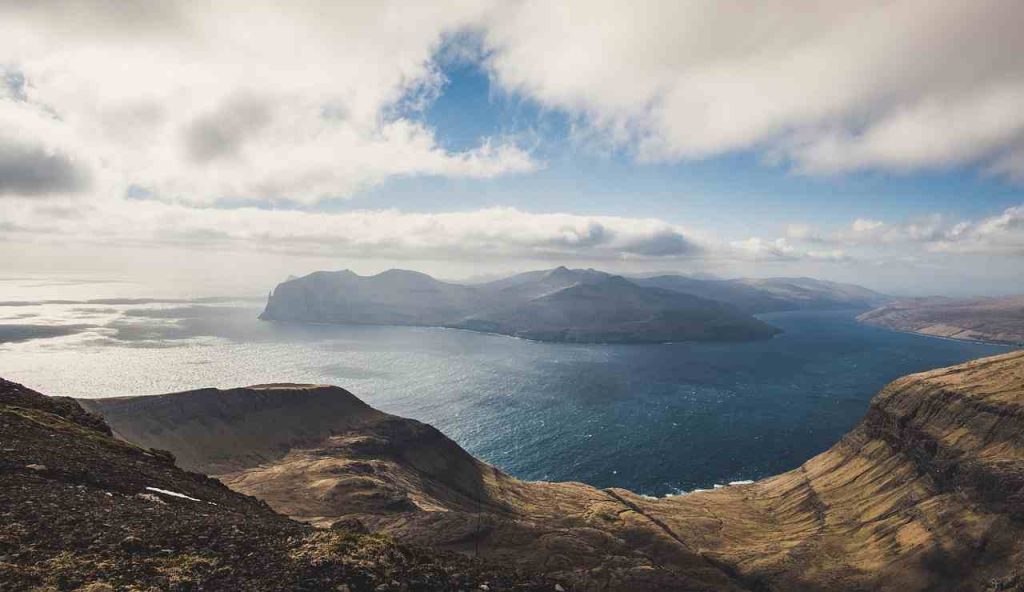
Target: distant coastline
[
  {"x": 991, "y": 321},
  {"x": 944, "y": 338}
]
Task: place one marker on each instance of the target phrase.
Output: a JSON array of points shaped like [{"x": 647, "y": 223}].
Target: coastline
[
  {"x": 778, "y": 331},
  {"x": 957, "y": 339}
]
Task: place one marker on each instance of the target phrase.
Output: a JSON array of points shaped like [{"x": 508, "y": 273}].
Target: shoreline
[
  {"x": 957, "y": 339},
  {"x": 521, "y": 338}
]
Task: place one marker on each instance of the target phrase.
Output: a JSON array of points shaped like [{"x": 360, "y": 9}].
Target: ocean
[{"x": 655, "y": 419}]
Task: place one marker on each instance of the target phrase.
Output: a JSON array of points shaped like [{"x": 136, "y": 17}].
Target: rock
[
  {"x": 350, "y": 524},
  {"x": 36, "y": 467},
  {"x": 559, "y": 588},
  {"x": 131, "y": 544}
]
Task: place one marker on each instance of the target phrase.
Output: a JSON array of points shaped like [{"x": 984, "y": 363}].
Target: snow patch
[{"x": 173, "y": 494}]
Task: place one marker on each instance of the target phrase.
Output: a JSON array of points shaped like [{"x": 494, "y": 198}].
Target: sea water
[{"x": 656, "y": 419}]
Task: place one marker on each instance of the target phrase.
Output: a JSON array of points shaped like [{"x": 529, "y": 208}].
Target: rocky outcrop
[
  {"x": 81, "y": 510},
  {"x": 563, "y": 305},
  {"x": 924, "y": 494},
  {"x": 995, "y": 320}
]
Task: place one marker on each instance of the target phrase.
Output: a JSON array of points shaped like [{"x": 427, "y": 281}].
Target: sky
[{"x": 224, "y": 147}]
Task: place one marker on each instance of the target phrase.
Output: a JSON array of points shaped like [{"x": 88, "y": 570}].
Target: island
[{"x": 557, "y": 305}]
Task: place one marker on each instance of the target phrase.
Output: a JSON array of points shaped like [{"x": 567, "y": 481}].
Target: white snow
[{"x": 173, "y": 494}]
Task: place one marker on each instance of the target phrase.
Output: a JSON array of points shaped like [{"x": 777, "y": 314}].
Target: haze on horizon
[{"x": 228, "y": 146}]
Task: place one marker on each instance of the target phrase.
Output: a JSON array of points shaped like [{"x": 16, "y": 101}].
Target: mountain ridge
[{"x": 654, "y": 310}]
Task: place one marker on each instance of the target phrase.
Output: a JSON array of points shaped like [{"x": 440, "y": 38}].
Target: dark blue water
[
  {"x": 661, "y": 419},
  {"x": 656, "y": 419}
]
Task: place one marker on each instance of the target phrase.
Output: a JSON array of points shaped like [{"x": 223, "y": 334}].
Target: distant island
[
  {"x": 994, "y": 320},
  {"x": 561, "y": 304}
]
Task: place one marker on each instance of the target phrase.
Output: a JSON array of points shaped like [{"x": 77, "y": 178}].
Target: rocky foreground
[
  {"x": 926, "y": 493},
  {"x": 82, "y": 510}
]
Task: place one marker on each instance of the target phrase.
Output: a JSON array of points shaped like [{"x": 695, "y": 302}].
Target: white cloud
[
  {"x": 759, "y": 248},
  {"x": 830, "y": 86},
  {"x": 861, "y": 225},
  {"x": 198, "y": 101},
  {"x": 497, "y": 233},
  {"x": 780, "y": 249},
  {"x": 1000, "y": 234},
  {"x": 300, "y": 101}
]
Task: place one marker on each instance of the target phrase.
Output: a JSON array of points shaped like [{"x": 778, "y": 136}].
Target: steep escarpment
[
  {"x": 311, "y": 448},
  {"x": 81, "y": 510},
  {"x": 996, "y": 320},
  {"x": 214, "y": 431},
  {"x": 394, "y": 297},
  {"x": 924, "y": 494}
]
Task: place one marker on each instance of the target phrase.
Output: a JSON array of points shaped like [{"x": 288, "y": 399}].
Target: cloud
[
  {"x": 222, "y": 133},
  {"x": 862, "y": 225},
  {"x": 295, "y": 102},
  {"x": 303, "y": 101},
  {"x": 1000, "y": 234},
  {"x": 499, "y": 233},
  {"x": 827, "y": 86},
  {"x": 779, "y": 249},
  {"x": 34, "y": 171}
]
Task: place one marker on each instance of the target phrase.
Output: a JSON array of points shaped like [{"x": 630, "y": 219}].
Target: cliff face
[
  {"x": 395, "y": 297},
  {"x": 81, "y": 510},
  {"x": 926, "y": 493},
  {"x": 998, "y": 320}
]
